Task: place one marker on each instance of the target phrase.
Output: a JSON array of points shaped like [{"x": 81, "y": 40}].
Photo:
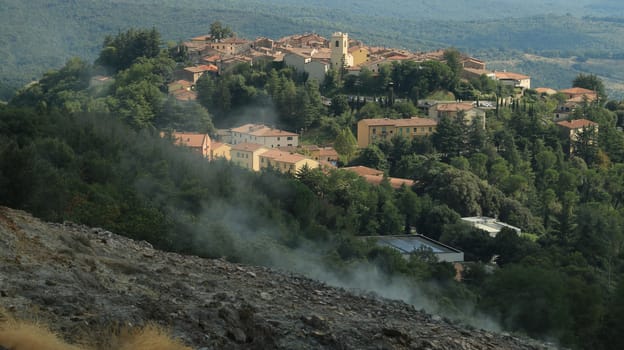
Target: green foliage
[
  {"x": 449, "y": 137},
  {"x": 541, "y": 289},
  {"x": 120, "y": 51},
  {"x": 346, "y": 144},
  {"x": 218, "y": 31},
  {"x": 371, "y": 157}
]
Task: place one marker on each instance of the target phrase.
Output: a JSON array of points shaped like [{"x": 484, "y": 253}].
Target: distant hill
[{"x": 39, "y": 35}]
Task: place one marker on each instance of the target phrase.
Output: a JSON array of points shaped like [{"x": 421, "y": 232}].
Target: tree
[
  {"x": 120, "y": 51},
  {"x": 219, "y": 32},
  {"x": 433, "y": 219},
  {"x": 612, "y": 327},
  {"x": 599, "y": 236},
  {"x": 372, "y": 157},
  {"x": 586, "y": 145},
  {"x": 339, "y": 105},
  {"x": 346, "y": 144},
  {"x": 178, "y": 115},
  {"x": 475, "y": 243},
  {"x": 453, "y": 60},
  {"x": 542, "y": 289},
  {"x": 458, "y": 189},
  {"x": 449, "y": 137}
]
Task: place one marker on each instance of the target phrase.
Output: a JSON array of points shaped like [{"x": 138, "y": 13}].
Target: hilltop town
[{"x": 251, "y": 145}]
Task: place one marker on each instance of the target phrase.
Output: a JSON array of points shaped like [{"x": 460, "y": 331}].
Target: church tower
[{"x": 340, "y": 51}]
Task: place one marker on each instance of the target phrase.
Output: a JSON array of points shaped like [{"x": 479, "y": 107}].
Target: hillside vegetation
[
  {"x": 93, "y": 154},
  {"x": 43, "y": 34}
]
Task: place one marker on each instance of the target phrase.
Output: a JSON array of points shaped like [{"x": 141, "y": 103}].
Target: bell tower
[{"x": 339, "y": 50}]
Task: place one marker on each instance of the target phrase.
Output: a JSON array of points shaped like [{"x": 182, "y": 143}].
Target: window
[
  {"x": 430, "y": 129},
  {"x": 278, "y": 138},
  {"x": 422, "y": 129},
  {"x": 374, "y": 130},
  {"x": 337, "y": 43},
  {"x": 415, "y": 129},
  {"x": 289, "y": 138}
]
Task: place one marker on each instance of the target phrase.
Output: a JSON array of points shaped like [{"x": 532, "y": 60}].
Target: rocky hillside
[{"x": 82, "y": 281}]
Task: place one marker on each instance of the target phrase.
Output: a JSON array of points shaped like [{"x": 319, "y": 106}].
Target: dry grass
[
  {"x": 23, "y": 335},
  {"x": 19, "y": 335},
  {"x": 150, "y": 337}
]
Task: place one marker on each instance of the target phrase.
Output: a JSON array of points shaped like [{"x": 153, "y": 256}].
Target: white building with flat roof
[{"x": 489, "y": 225}]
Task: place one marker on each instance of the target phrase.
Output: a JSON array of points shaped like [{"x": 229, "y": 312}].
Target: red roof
[
  {"x": 454, "y": 107},
  {"x": 213, "y": 58},
  {"x": 577, "y": 91},
  {"x": 510, "y": 76},
  {"x": 247, "y": 146},
  {"x": 363, "y": 171},
  {"x": 375, "y": 177},
  {"x": 189, "y": 139},
  {"x": 202, "y": 68},
  {"x": 576, "y": 124}
]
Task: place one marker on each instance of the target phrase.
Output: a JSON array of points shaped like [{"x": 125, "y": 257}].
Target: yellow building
[
  {"x": 285, "y": 162},
  {"x": 375, "y": 130},
  {"x": 360, "y": 54},
  {"x": 220, "y": 150},
  {"x": 246, "y": 155}
]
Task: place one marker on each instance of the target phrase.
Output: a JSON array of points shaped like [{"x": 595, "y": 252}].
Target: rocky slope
[{"x": 82, "y": 280}]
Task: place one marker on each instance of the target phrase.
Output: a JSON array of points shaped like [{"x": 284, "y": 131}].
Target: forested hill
[{"x": 38, "y": 35}]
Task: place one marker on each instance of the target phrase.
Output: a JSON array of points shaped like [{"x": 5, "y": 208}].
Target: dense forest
[
  {"x": 44, "y": 34},
  {"x": 92, "y": 154}
]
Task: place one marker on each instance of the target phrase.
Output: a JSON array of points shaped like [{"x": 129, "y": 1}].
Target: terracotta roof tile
[
  {"x": 577, "y": 91},
  {"x": 202, "y": 68},
  {"x": 510, "y": 76},
  {"x": 189, "y": 139},
  {"x": 454, "y": 107},
  {"x": 247, "y": 146},
  {"x": 363, "y": 171},
  {"x": 395, "y": 182},
  {"x": 576, "y": 124}
]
